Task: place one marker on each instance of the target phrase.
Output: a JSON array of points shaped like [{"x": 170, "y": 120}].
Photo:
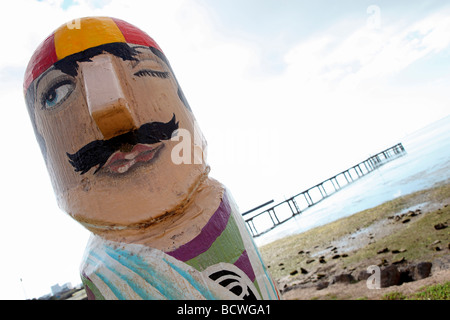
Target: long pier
[{"x": 266, "y": 220}]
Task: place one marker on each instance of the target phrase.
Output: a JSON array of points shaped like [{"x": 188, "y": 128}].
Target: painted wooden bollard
[{"x": 127, "y": 160}]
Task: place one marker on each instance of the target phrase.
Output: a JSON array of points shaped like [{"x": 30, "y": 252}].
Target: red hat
[{"x": 86, "y": 33}]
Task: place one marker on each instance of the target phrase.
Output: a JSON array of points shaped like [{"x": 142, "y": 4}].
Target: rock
[
  {"x": 344, "y": 255},
  {"x": 415, "y": 272},
  {"x": 398, "y": 251},
  {"x": 310, "y": 261},
  {"x": 303, "y": 271},
  {"x": 422, "y": 270},
  {"x": 281, "y": 264},
  {"x": 441, "y": 263},
  {"x": 320, "y": 276},
  {"x": 322, "y": 259},
  {"x": 384, "y": 250},
  {"x": 440, "y": 226},
  {"x": 437, "y": 248},
  {"x": 406, "y": 220},
  {"x": 363, "y": 275},
  {"x": 322, "y": 285},
  {"x": 343, "y": 278},
  {"x": 293, "y": 273},
  {"x": 436, "y": 242},
  {"x": 399, "y": 261},
  {"x": 390, "y": 276},
  {"x": 301, "y": 252},
  {"x": 406, "y": 274},
  {"x": 412, "y": 214},
  {"x": 336, "y": 256}
]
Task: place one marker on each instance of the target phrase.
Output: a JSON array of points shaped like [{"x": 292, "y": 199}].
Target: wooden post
[{"x": 127, "y": 160}]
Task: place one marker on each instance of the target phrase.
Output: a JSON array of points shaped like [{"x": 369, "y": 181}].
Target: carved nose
[{"x": 106, "y": 100}]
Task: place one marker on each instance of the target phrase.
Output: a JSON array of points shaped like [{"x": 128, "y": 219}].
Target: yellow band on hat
[{"x": 91, "y": 32}]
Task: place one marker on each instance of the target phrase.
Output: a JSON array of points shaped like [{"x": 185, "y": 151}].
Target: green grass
[
  {"x": 394, "y": 296},
  {"x": 435, "y": 292},
  {"x": 416, "y": 238}
]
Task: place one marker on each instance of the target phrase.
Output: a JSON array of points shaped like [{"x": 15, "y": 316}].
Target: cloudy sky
[{"x": 286, "y": 92}]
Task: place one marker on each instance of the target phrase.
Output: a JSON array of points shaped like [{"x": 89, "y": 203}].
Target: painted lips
[{"x": 121, "y": 162}]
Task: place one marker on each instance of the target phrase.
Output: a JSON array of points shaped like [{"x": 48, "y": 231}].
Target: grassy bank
[
  {"x": 436, "y": 292},
  {"x": 412, "y": 238}
]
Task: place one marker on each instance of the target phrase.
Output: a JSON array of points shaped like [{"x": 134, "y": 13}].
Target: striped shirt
[{"x": 221, "y": 262}]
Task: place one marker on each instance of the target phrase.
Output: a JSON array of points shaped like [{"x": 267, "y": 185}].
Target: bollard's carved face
[{"x": 104, "y": 104}]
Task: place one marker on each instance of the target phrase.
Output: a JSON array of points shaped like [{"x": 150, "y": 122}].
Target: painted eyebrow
[
  {"x": 143, "y": 47},
  {"x": 43, "y": 76},
  {"x": 138, "y": 61}
]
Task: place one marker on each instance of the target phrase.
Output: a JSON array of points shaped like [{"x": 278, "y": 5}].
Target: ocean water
[{"x": 426, "y": 163}]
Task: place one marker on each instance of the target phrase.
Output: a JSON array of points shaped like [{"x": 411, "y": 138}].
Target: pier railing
[{"x": 266, "y": 220}]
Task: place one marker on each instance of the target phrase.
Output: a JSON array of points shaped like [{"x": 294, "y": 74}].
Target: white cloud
[{"x": 369, "y": 54}]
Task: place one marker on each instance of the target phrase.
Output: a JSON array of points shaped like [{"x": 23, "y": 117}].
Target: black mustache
[{"x": 98, "y": 152}]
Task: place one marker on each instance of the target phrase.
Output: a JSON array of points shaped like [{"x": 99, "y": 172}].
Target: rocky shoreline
[
  {"x": 330, "y": 269},
  {"x": 395, "y": 274}
]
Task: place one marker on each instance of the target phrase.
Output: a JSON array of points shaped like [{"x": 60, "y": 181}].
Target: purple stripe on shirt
[
  {"x": 89, "y": 293},
  {"x": 202, "y": 242},
  {"x": 245, "y": 265}
]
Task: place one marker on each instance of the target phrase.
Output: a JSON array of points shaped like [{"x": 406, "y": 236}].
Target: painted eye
[{"x": 57, "y": 94}]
